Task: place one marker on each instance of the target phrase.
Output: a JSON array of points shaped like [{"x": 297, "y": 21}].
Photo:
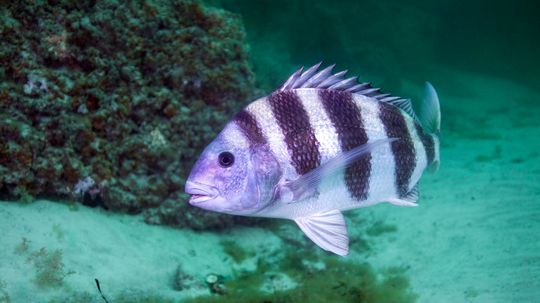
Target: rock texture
[{"x": 110, "y": 102}]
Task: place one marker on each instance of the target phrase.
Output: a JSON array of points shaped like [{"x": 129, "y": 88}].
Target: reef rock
[{"x": 110, "y": 102}]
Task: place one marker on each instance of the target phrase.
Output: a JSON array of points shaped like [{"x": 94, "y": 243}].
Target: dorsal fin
[{"x": 324, "y": 79}]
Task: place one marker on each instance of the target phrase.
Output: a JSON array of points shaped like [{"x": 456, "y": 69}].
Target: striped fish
[{"x": 319, "y": 145}]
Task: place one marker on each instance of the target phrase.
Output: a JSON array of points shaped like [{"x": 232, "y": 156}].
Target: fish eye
[{"x": 226, "y": 159}]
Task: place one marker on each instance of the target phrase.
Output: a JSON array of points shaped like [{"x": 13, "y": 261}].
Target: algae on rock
[
  {"x": 295, "y": 278},
  {"x": 126, "y": 93}
]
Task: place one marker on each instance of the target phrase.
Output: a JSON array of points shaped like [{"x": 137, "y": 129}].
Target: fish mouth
[{"x": 200, "y": 192}]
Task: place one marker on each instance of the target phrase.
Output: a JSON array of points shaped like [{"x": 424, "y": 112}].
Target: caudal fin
[{"x": 430, "y": 118}]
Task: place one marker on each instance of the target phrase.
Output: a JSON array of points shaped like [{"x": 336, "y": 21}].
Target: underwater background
[{"x": 105, "y": 106}]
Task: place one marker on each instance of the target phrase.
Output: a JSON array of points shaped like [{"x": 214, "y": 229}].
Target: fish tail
[{"x": 430, "y": 118}]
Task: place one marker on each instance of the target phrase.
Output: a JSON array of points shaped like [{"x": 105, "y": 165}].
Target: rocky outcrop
[{"x": 110, "y": 102}]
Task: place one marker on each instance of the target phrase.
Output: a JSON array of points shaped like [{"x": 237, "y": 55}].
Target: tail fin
[{"x": 430, "y": 118}]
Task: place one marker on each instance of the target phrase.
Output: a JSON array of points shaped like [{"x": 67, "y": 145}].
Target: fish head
[{"x": 233, "y": 177}]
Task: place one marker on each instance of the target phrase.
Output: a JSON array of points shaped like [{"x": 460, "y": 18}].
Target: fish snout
[{"x": 200, "y": 192}]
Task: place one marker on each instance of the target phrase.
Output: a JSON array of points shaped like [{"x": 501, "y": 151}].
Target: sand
[{"x": 126, "y": 255}]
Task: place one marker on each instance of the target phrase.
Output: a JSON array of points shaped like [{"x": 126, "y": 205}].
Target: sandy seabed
[{"x": 474, "y": 238}]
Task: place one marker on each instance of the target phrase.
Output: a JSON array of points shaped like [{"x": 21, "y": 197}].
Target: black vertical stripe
[
  {"x": 347, "y": 119},
  {"x": 402, "y": 149},
  {"x": 249, "y": 127},
  {"x": 293, "y": 120},
  {"x": 427, "y": 141}
]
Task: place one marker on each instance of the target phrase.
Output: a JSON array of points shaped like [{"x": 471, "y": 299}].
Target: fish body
[{"x": 319, "y": 145}]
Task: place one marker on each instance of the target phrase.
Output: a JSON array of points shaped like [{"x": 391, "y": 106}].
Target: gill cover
[{"x": 265, "y": 173}]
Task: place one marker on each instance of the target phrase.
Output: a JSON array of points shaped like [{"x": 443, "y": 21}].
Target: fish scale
[
  {"x": 403, "y": 149},
  {"x": 250, "y": 128},
  {"x": 318, "y": 145},
  {"x": 293, "y": 121},
  {"x": 427, "y": 142},
  {"x": 347, "y": 119}
]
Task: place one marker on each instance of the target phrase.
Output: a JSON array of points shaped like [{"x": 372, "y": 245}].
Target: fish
[{"x": 319, "y": 145}]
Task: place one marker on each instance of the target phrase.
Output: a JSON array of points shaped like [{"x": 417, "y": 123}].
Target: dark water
[{"x": 391, "y": 40}]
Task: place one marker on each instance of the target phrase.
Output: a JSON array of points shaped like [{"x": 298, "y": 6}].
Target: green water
[
  {"x": 474, "y": 238},
  {"x": 387, "y": 41}
]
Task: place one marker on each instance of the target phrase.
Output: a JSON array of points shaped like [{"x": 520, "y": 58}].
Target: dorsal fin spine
[
  {"x": 358, "y": 87},
  {"x": 306, "y": 75},
  {"x": 368, "y": 91},
  {"x": 324, "y": 79},
  {"x": 291, "y": 80},
  {"x": 382, "y": 96},
  {"x": 319, "y": 77},
  {"x": 389, "y": 99},
  {"x": 344, "y": 83},
  {"x": 332, "y": 79}
]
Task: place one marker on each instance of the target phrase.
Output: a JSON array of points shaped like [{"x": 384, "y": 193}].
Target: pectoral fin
[
  {"x": 328, "y": 230},
  {"x": 298, "y": 189}
]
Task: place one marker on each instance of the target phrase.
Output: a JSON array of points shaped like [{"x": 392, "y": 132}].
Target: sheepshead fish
[{"x": 319, "y": 145}]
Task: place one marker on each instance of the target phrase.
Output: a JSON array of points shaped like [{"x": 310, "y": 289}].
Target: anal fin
[
  {"x": 409, "y": 199},
  {"x": 328, "y": 230}
]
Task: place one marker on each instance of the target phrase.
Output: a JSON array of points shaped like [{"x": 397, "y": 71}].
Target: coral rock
[{"x": 126, "y": 93}]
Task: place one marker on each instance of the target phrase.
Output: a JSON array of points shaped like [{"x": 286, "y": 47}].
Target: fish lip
[{"x": 200, "y": 192}]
